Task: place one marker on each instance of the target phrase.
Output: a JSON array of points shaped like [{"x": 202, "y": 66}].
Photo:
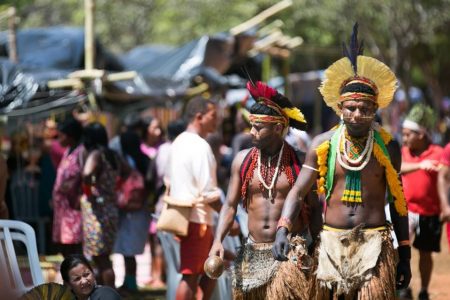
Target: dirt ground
[{"x": 440, "y": 279}]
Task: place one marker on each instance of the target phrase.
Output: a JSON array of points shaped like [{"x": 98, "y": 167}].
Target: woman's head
[
  {"x": 152, "y": 132},
  {"x": 70, "y": 132},
  {"x": 78, "y": 274},
  {"x": 95, "y": 136}
]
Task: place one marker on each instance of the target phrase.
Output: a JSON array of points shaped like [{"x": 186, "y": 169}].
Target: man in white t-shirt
[{"x": 192, "y": 176}]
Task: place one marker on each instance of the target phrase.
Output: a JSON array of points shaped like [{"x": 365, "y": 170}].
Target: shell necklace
[{"x": 275, "y": 175}]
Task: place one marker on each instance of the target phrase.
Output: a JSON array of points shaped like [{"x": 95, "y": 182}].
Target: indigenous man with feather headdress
[
  {"x": 262, "y": 176},
  {"x": 356, "y": 165}
]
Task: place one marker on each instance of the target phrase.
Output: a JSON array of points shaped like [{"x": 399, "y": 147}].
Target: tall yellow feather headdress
[{"x": 357, "y": 77}]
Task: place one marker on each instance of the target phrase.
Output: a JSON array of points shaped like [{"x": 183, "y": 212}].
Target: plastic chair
[
  {"x": 25, "y": 200},
  {"x": 11, "y": 231}
]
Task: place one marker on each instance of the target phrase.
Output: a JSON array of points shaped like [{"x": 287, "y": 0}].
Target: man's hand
[
  {"x": 403, "y": 274},
  {"x": 403, "y": 267},
  {"x": 217, "y": 249},
  {"x": 281, "y": 246},
  {"x": 429, "y": 165}
]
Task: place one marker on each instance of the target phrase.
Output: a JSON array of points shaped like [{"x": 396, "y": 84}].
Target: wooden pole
[
  {"x": 260, "y": 17},
  {"x": 89, "y": 47},
  {"x": 12, "y": 34},
  {"x": 266, "y": 67},
  {"x": 286, "y": 70}
]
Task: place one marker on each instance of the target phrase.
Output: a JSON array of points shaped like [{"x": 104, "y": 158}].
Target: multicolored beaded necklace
[{"x": 289, "y": 164}]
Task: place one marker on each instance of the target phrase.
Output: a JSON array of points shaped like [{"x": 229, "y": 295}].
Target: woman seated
[{"x": 78, "y": 275}]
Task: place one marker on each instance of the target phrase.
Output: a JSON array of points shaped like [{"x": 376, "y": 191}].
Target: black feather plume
[
  {"x": 248, "y": 75},
  {"x": 355, "y": 48}
]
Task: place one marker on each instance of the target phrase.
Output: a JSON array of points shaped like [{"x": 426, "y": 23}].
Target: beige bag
[{"x": 174, "y": 217}]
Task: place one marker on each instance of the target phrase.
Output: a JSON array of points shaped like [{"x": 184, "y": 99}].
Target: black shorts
[{"x": 427, "y": 233}]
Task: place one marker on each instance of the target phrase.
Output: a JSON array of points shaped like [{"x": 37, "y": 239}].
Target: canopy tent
[{"x": 164, "y": 73}]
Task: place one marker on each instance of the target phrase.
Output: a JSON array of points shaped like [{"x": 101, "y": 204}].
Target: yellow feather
[
  {"x": 295, "y": 114},
  {"x": 381, "y": 75},
  {"x": 335, "y": 75}
]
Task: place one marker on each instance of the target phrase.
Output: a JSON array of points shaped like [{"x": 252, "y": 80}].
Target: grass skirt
[{"x": 257, "y": 275}]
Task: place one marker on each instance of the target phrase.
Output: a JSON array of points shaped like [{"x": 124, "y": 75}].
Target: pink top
[{"x": 66, "y": 220}]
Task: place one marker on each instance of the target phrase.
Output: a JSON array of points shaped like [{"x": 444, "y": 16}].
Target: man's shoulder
[
  {"x": 241, "y": 155},
  {"x": 320, "y": 138},
  {"x": 436, "y": 148},
  {"x": 189, "y": 139}
]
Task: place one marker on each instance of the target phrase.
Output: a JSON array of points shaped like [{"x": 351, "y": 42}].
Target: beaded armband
[{"x": 404, "y": 243}]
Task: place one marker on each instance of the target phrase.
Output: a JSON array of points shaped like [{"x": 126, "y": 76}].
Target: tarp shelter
[{"x": 164, "y": 73}]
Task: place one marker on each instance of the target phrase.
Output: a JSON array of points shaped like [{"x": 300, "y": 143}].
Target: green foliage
[{"x": 410, "y": 36}]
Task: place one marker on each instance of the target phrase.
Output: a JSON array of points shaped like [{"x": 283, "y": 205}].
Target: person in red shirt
[
  {"x": 420, "y": 165},
  {"x": 444, "y": 188}
]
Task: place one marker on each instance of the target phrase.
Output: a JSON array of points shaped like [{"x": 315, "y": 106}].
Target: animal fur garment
[
  {"x": 257, "y": 275},
  {"x": 359, "y": 264}
]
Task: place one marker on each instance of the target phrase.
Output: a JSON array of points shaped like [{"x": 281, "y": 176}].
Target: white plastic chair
[{"x": 11, "y": 231}]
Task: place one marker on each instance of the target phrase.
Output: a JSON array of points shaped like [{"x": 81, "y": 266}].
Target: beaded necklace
[
  {"x": 326, "y": 159},
  {"x": 290, "y": 166},
  {"x": 366, "y": 153},
  {"x": 267, "y": 172}
]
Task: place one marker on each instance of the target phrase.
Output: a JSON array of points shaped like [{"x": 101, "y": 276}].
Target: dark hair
[
  {"x": 71, "y": 262},
  {"x": 194, "y": 106},
  {"x": 72, "y": 128},
  {"x": 358, "y": 88},
  {"x": 174, "y": 128},
  {"x": 132, "y": 121},
  {"x": 96, "y": 138},
  {"x": 262, "y": 109},
  {"x": 145, "y": 122},
  {"x": 131, "y": 145}
]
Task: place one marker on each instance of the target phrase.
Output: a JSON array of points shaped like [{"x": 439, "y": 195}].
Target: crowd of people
[{"x": 327, "y": 217}]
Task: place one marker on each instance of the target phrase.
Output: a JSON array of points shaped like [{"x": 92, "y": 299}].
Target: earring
[{"x": 342, "y": 117}]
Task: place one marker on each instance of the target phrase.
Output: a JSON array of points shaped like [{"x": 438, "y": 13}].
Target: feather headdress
[
  {"x": 357, "y": 77},
  {"x": 266, "y": 95}
]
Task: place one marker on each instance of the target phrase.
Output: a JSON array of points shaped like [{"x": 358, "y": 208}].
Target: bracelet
[
  {"x": 404, "y": 243},
  {"x": 285, "y": 222}
]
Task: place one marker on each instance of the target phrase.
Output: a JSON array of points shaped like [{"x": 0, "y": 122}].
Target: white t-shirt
[{"x": 192, "y": 176}]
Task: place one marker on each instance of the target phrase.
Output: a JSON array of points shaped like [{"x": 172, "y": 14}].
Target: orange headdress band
[{"x": 353, "y": 89}]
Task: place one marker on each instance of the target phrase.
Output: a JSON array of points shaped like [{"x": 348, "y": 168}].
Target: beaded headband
[{"x": 287, "y": 113}]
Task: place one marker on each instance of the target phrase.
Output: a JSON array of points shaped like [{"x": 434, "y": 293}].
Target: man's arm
[
  {"x": 316, "y": 218},
  {"x": 295, "y": 198},
  {"x": 427, "y": 165},
  {"x": 229, "y": 208},
  {"x": 400, "y": 224},
  {"x": 444, "y": 189}
]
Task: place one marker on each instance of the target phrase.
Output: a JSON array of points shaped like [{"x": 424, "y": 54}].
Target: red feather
[{"x": 261, "y": 90}]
